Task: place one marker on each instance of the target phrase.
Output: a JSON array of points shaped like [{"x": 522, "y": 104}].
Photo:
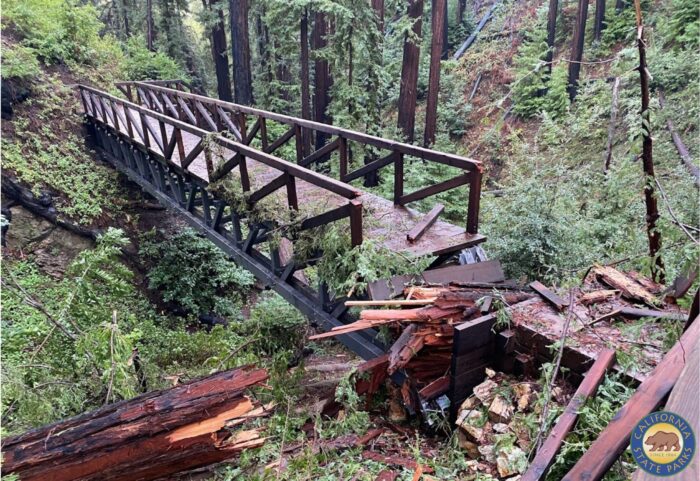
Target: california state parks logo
[{"x": 663, "y": 443}]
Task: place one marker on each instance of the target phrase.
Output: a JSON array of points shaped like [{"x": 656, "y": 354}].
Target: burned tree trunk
[
  {"x": 149, "y": 437},
  {"x": 652, "y": 209},
  {"x": 150, "y": 34},
  {"x": 305, "y": 90},
  {"x": 409, "y": 72},
  {"x": 219, "y": 52},
  {"x": 240, "y": 50},
  {"x": 322, "y": 77},
  {"x": 438, "y": 25},
  {"x": 599, "y": 24},
  {"x": 577, "y": 47},
  {"x": 551, "y": 32}
]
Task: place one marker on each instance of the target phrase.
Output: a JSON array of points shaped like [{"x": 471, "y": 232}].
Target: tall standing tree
[
  {"x": 240, "y": 50},
  {"x": 577, "y": 48},
  {"x": 438, "y": 26},
  {"x": 599, "y": 21},
  {"x": 408, "y": 93},
  {"x": 219, "y": 50},
  {"x": 322, "y": 76},
  {"x": 378, "y": 6},
  {"x": 653, "y": 234},
  {"x": 150, "y": 32},
  {"x": 304, "y": 71},
  {"x": 551, "y": 32}
]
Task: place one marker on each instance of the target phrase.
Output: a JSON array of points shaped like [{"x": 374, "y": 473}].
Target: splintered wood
[{"x": 149, "y": 437}]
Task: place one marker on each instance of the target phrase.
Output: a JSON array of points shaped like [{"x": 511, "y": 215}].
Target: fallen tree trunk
[
  {"x": 683, "y": 151},
  {"x": 472, "y": 38},
  {"x": 149, "y": 437}
]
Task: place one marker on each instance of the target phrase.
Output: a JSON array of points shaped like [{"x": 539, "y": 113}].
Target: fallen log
[
  {"x": 628, "y": 287},
  {"x": 683, "y": 151},
  {"x": 149, "y": 437},
  {"x": 472, "y": 38}
]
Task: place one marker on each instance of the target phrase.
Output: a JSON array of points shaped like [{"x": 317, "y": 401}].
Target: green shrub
[
  {"x": 191, "y": 272},
  {"x": 19, "y": 62},
  {"x": 684, "y": 24},
  {"x": 277, "y": 324},
  {"x": 142, "y": 64}
]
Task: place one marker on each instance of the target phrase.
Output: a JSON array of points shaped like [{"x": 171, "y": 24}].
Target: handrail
[
  {"x": 285, "y": 166},
  {"x": 213, "y": 115}
]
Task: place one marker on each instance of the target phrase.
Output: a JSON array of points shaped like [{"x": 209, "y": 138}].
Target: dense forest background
[{"x": 84, "y": 324}]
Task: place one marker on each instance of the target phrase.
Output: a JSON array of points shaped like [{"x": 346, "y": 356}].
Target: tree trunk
[
  {"x": 305, "y": 89},
  {"x": 263, "y": 50},
  {"x": 613, "y": 122},
  {"x": 125, "y": 16},
  {"x": 378, "y": 6},
  {"x": 322, "y": 77},
  {"x": 445, "y": 32},
  {"x": 577, "y": 48},
  {"x": 438, "y": 25},
  {"x": 551, "y": 32},
  {"x": 599, "y": 24},
  {"x": 149, "y": 437},
  {"x": 409, "y": 72},
  {"x": 219, "y": 53},
  {"x": 654, "y": 236},
  {"x": 620, "y": 5},
  {"x": 150, "y": 34},
  {"x": 683, "y": 151},
  {"x": 240, "y": 49},
  {"x": 461, "y": 6}
]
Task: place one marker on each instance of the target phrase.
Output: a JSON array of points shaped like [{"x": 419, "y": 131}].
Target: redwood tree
[
  {"x": 409, "y": 72},
  {"x": 551, "y": 32},
  {"x": 438, "y": 26},
  {"x": 599, "y": 21},
  {"x": 150, "y": 33},
  {"x": 240, "y": 49},
  {"x": 577, "y": 47},
  {"x": 219, "y": 50},
  {"x": 322, "y": 76}
]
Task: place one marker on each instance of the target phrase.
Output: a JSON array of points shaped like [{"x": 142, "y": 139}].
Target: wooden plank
[
  {"x": 487, "y": 272},
  {"x": 685, "y": 402},
  {"x": 435, "y": 189},
  {"x": 610, "y": 443},
  {"x": 549, "y": 296},
  {"x": 371, "y": 167},
  {"x": 419, "y": 229},
  {"x": 320, "y": 154},
  {"x": 435, "y": 388},
  {"x": 280, "y": 141},
  {"x": 390, "y": 302},
  {"x": 545, "y": 455},
  {"x": 628, "y": 287},
  {"x": 597, "y": 296}
]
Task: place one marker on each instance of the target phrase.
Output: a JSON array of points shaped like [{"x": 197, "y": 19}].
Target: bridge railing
[
  {"x": 169, "y": 98},
  {"x": 161, "y": 137}
]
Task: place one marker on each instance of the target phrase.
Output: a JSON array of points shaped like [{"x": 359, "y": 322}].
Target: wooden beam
[
  {"x": 435, "y": 189},
  {"x": 610, "y": 443},
  {"x": 549, "y": 296},
  {"x": 545, "y": 455},
  {"x": 421, "y": 227}
]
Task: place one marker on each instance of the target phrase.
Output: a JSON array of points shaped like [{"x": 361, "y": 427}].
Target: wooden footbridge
[{"x": 186, "y": 149}]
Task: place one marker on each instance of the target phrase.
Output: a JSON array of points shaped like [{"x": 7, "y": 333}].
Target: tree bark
[
  {"x": 445, "y": 32},
  {"x": 438, "y": 25},
  {"x": 599, "y": 24},
  {"x": 322, "y": 77},
  {"x": 305, "y": 88},
  {"x": 577, "y": 48},
  {"x": 219, "y": 53},
  {"x": 654, "y": 236},
  {"x": 149, "y": 437},
  {"x": 461, "y": 6},
  {"x": 378, "y": 6},
  {"x": 551, "y": 32},
  {"x": 240, "y": 49},
  {"x": 150, "y": 34},
  {"x": 620, "y": 5},
  {"x": 408, "y": 94}
]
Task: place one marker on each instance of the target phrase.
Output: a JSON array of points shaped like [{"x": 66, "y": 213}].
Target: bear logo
[{"x": 662, "y": 441}]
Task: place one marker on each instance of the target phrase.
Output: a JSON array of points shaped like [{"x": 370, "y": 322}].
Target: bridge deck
[{"x": 387, "y": 224}]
